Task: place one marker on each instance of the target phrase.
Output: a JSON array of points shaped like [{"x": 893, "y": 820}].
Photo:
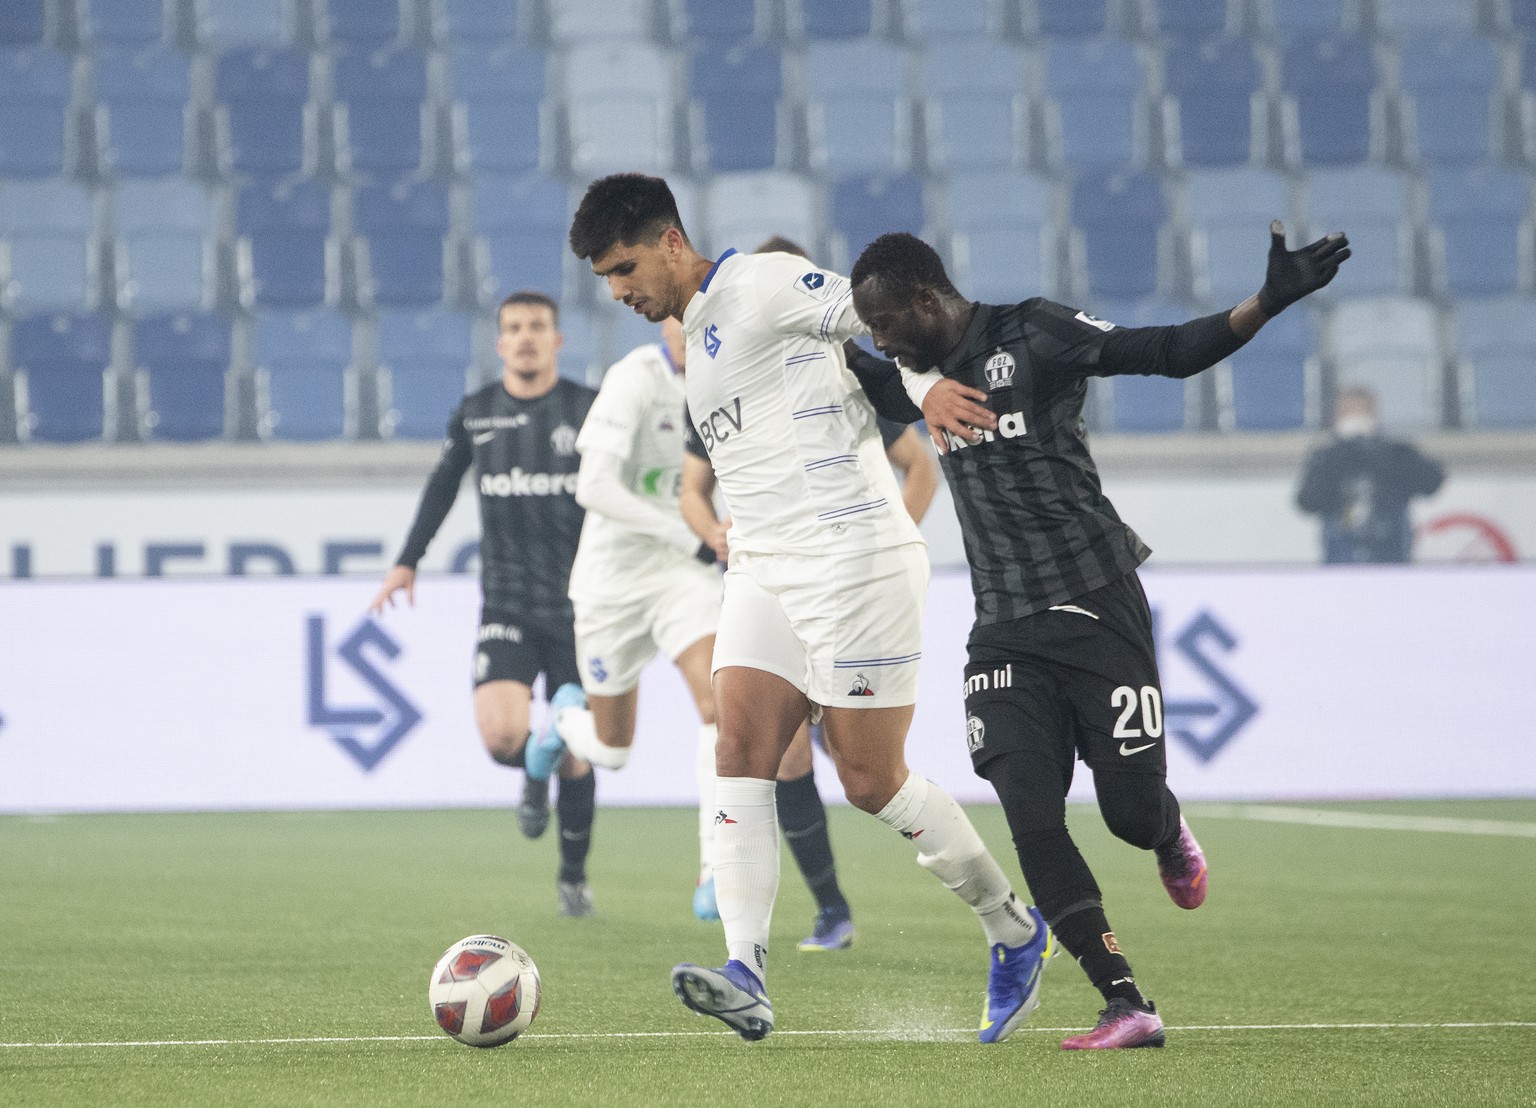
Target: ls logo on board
[
  {"x": 366, "y": 732},
  {"x": 1208, "y": 720}
]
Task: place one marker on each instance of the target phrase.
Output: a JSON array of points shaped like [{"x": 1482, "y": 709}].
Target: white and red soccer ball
[{"x": 484, "y": 991}]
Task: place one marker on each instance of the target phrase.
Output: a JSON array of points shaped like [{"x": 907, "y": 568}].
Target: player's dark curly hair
[
  {"x": 904, "y": 263},
  {"x": 532, "y": 297},
  {"x": 623, "y": 208}
]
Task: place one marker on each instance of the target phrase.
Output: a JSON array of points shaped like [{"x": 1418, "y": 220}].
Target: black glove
[
  {"x": 706, "y": 554},
  {"x": 1293, "y": 274}
]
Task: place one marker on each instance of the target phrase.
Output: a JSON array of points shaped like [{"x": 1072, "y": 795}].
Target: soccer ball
[{"x": 484, "y": 991}]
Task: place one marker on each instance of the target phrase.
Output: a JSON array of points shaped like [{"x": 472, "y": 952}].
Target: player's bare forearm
[
  {"x": 696, "y": 501},
  {"x": 919, "y": 473}
]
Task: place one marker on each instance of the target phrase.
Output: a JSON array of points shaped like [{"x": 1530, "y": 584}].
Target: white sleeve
[
  {"x": 616, "y": 412},
  {"x": 918, "y": 384},
  {"x": 798, "y": 298},
  {"x": 600, "y": 488}
]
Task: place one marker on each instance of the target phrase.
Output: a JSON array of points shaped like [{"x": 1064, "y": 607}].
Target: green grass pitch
[{"x": 1331, "y": 966}]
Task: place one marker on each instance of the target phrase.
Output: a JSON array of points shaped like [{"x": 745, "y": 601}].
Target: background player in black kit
[
  {"x": 1061, "y": 661},
  {"x": 519, "y": 433}
]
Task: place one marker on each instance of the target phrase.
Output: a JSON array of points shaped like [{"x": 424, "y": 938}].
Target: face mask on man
[{"x": 1356, "y": 425}]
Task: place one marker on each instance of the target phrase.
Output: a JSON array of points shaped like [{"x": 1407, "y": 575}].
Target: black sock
[
  {"x": 804, "y": 820},
  {"x": 1085, "y": 933},
  {"x": 574, "y": 809}
]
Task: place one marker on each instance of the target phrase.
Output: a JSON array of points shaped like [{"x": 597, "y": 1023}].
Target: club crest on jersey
[
  {"x": 711, "y": 340},
  {"x": 861, "y": 686},
  {"x": 563, "y": 439},
  {"x": 975, "y": 733},
  {"x": 999, "y": 370}
]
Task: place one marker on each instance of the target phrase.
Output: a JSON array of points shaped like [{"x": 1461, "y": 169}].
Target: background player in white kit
[{"x": 819, "y": 546}]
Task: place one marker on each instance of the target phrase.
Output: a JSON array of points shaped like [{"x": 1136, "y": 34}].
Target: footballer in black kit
[{"x": 1061, "y": 661}]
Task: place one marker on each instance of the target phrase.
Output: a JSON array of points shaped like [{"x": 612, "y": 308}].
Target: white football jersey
[
  {"x": 637, "y": 417},
  {"x": 790, "y": 434}
]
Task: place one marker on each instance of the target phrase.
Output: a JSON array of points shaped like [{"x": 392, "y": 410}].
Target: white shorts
[
  {"x": 667, "y": 611},
  {"x": 845, "y": 629}
]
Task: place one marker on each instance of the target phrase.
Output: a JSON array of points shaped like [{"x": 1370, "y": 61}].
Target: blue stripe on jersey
[
  {"x": 824, "y": 462},
  {"x": 832, "y": 308},
  {"x": 867, "y": 662},
  {"x": 825, "y": 409},
  {"x": 853, "y": 509},
  {"x": 798, "y": 358},
  {"x": 710, "y": 276}
]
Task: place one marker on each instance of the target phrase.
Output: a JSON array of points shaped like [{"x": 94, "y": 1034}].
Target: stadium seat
[
  {"x": 1373, "y": 207},
  {"x": 1003, "y": 237},
  {"x": 35, "y": 119},
  {"x": 62, "y": 359},
  {"x": 864, "y": 207},
  {"x": 1481, "y": 239},
  {"x": 1284, "y": 18},
  {"x": 164, "y": 245},
  {"x": 582, "y": 355},
  {"x": 425, "y": 358},
  {"x": 364, "y": 24},
  {"x": 399, "y": 249},
  {"x": 183, "y": 358},
  {"x": 620, "y": 99},
  {"x": 1095, "y": 118},
  {"x": 1188, "y": 17},
  {"x": 858, "y": 110},
  {"x": 925, "y": 21},
  {"x": 305, "y": 383},
  {"x": 574, "y": 22},
  {"x": 717, "y": 20},
  {"x": 498, "y": 90},
  {"x": 1066, "y": 18},
  {"x": 133, "y": 23},
  {"x": 1117, "y": 220},
  {"x": 23, "y": 23},
  {"x": 1144, "y": 405},
  {"x": 520, "y": 223},
  {"x": 1451, "y": 108},
  {"x": 746, "y": 209},
  {"x": 830, "y": 19},
  {"x": 1331, "y": 111},
  {"x": 1214, "y": 113},
  {"x": 734, "y": 91},
  {"x": 222, "y": 24},
  {"x": 142, "y": 98},
  {"x": 1228, "y": 217},
  {"x": 975, "y": 104},
  {"x": 486, "y": 22},
  {"x": 1397, "y": 17},
  {"x": 49, "y": 247},
  {"x": 1496, "y": 344},
  {"x": 261, "y": 117},
  {"x": 1522, "y": 15},
  {"x": 378, "y": 114},
  {"x": 1272, "y": 383},
  {"x": 1390, "y": 345},
  {"x": 284, "y": 250}
]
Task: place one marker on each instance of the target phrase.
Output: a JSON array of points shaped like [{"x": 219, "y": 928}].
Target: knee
[
  {"x": 867, "y": 790},
  {"x": 504, "y": 747}
]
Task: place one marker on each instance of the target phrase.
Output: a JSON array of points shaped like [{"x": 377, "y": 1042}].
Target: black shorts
[
  {"x": 515, "y": 647},
  {"x": 1078, "y": 680}
]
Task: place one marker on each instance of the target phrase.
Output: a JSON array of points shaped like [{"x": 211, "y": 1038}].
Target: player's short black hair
[
  {"x": 530, "y": 296},
  {"x": 778, "y": 244},
  {"x": 623, "y": 209},
  {"x": 904, "y": 263}
]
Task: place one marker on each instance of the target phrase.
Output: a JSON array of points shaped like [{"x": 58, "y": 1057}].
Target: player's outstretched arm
[
  {"x": 958, "y": 410},
  {"x": 398, "y": 577},
  {"x": 1291, "y": 275},
  {"x": 696, "y": 500}
]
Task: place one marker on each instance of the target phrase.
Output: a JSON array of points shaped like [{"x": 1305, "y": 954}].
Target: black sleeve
[
  {"x": 692, "y": 444},
  {"x": 881, "y": 381},
  {"x": 1319, "y": 493},
  {"x": 1068, "y": 340},
  {"x": 889, "y": 430},
  {"x": 442, "y": 488},
  {"x": 1424, "y": 475}
]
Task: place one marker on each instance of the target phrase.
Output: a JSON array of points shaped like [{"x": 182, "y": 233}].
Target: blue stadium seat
[
  {"x": 480, "y": 21},
  {"x": 304, "y": 375},
  {"x": 859, "y": 112},
  {"x": 164, "y": 245},
  {"x": 1283, "y": 18},
  {"x": 581, "y": 353},
  {"x": 400, "y": 230},
  {"x": 1228, "y": 216},
  {"x": 1391, "y": 345},
  {"x": 261, "y": 96},
  {"x": 1118, "y": 220},
  {"x": 1522, "y": 15},
  {"x": 1372, "y": 206},
  {"x": 717, "y": 20},
  {"x": 866, "y": 206},
  {"x": 50, "y": 246},
  {"x": 62, "y": 358},
  {"x": 1480, "y": 228},
  {"x": 1003, "y": 236},
  {"x": 1143, "y": 405},
  {"x": 1096, "y": 117},
  {"x": 498, "y": 90},
  {"x": 735, "y": 89},
  {"x": 520, "y": 223},
  {"x": 1213, "y": 112},
  {"x": 23, "y": 23},
  {"x": 141, "y": 122},
  {"x": 1187, "y": 17},
  {"x": 578, "y": 21},
  {"x": 378, "y": 111},
  {"x": 35, "y": 91},
  {"x": 1330, "y": 107},
  {"x": 745, "y": 209},
  {"x": 365, "y": 24},
  {"x": 183, "y": 358},
  {"x": 1271, "y": 384},
  {"x": 830, "y": 19},
  {"x": 975, "y": 104},
  {"x": 925, "y": 21},
  {"x": 284, "y": 243},
  {"x": 1450, "y": 82},
  {"x": 426, "y": 357},
  {"x": 1409, "y": 16},
  {"x": 1061, "y": 18},
  {"x": 126, "y": 22},
  {"x": 1496, "y": 341},
  {"x": 620, "y": 104},
  {"x": 222, "y": 24}
]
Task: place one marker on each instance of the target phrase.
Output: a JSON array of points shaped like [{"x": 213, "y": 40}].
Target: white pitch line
[
  {"x": 914, "y": 1034},
  {"x": 1369, "y": 821}
]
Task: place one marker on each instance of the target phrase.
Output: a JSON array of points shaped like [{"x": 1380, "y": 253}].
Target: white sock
[
  {"x": 746, "y": 866},
  {"x": 704, "y": 767},
  {"x": 949, "y": 848},
  {"x": 575, "y": 727}
]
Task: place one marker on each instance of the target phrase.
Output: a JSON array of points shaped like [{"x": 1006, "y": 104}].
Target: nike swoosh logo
[
  {"x": 1071, "y": 608},
  {"x": 484, "y": 437},
  {"x": 1126, "y": 753}
]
